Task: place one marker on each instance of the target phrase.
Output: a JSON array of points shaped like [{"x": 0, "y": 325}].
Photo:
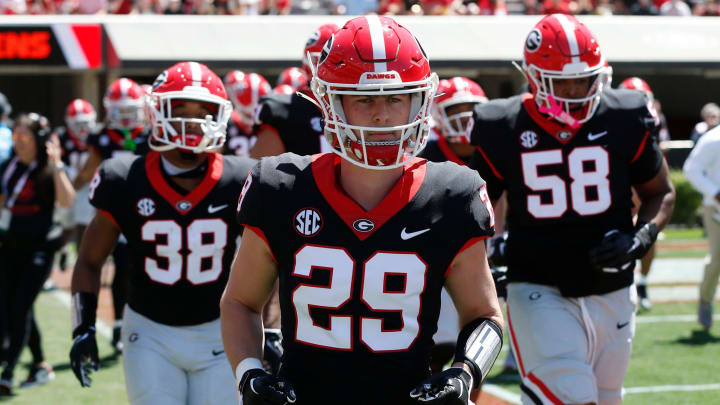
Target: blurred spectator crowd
[{"x": 359, "y": 7}]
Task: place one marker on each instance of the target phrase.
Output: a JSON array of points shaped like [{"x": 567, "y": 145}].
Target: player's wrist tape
[
  {"x": 466, "y": 377},
  {"x": 478, "y": 346},
  {"x": 248, "y": 363},
  {"x": 84, "y": 309},
  {"x": 647, "y": 232}
]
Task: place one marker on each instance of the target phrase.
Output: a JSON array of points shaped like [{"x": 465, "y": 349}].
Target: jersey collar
[
  {"x": 448, "y": 152},
  {"x": 183, "y": 203},
  {"x": 563, "y": 133},
  {"x": 324, "y": 167},
  {"x": 118, "y": 138}
]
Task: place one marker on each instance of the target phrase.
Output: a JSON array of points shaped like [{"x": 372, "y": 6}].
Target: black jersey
[
  {"x": 438, "y": 150},
  {"x": 360, "y": 290},
  {"x": 297, "y": 121},
  {"x": 181, "y": 244},
  {"x": 565, "y": 188},
  {"x": 33, "y": 205},
  {"x": 75, "y": 151},
  {"x": 111, "y": 142},
  {"x": 239, "y": 139}
]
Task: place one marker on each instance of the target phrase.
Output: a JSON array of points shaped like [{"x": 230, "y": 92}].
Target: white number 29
[{"x": 375, "y": 271}]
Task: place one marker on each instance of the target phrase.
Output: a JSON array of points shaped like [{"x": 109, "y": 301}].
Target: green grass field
[
  {"x": 681, "y": 243},
  {"x": 664, "y": 353},
  {"x": 108, "y": 386}
]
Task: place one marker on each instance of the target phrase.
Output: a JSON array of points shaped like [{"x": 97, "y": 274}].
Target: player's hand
[
  {"x": 84, "y": 355},
  {"x": 496, "y": 251},
  {"x": 500, "y": 279},
  {"x": 618, "y": 249},
  {"x": 451, "y": 387},
  {"x": 260, "y": 388},
  {"x": 272, "y": 354}
]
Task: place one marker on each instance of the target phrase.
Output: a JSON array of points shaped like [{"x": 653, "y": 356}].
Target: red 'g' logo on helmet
[
  {"x": 162, "y": 78},
  {"x": 533, "y": 41},
  {"x": 326, "y": 50}
]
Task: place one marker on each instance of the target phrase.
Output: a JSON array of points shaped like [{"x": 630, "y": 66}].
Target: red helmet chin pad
[
  {"x": 378, "y": 155},
  {"x": 191, "y": 140}
]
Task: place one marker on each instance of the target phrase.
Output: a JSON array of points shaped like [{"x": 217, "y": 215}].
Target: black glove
[
  {"x": 500, "y": 279},
  {"x": 451, "y": 387},
  {"x": 260, "y": 388},
  {"x": 273, "y": 350},
  {"x": 619, "y": 250},
  {"x": 84, "y": 354},
  {"x": 496, "y": 251}
]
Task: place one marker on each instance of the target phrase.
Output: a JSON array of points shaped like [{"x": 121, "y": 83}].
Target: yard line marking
[
  {"x": 670, "y": 318},
  {"x": 501, "y": 393},
  {"x": 670, "y": 388},
  {"x": 100, "y": 326}
]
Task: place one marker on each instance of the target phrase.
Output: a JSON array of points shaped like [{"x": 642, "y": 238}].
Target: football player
[
  {"x": 290, "y": 122},
  {"x": 124, "y": 133},
  {"x": 451, "y": 112},
  {"x": 293, "y": 77},
  {"x": 568, "y": 154},
  {"x": 636, "y": 83},
  {"x": 245, "y": 91},
  {"x": 363, "y": 241},
  {"x": 175, "y": 207},
  {"x": 80, "y": 122}
]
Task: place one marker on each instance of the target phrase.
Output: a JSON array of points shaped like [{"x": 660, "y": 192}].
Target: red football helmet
[
  {"x": 374, "y": 55},
  {"x": 283, "y": 89},
  {"x": 636, "y": 83},
  {"x": 124, "y": 102},
  {"x": 245, "y": 91},
  {"x": 451, "y": 92},
  {"x": 561, "y": 48},
  {"x": 188, "y": 81},
  {"x": 80, "y": 118},
  {"x": 314, "y": 46},
  {"x": 293, "y": 77}
]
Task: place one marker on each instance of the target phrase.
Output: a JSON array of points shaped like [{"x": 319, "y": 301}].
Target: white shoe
[{"x": 39, "y": 375}]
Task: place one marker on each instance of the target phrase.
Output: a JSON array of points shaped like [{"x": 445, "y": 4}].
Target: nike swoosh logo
[
  {"x": 592, "y": 137},
  {"x": 212, "y": 210},
  {"x": 622, "y": 325},
  {"x": 404, "y": 235},
  {"x": 217, "y": 352}
]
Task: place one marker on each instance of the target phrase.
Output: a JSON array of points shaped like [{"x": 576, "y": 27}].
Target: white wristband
[{"x": 248, "y": 363}]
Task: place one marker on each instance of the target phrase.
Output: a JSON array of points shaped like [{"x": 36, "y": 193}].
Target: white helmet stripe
[
  {"x": 378, "y": 42},
  {"x": 569, "y": 29},
  {"x": 124, "y": 87},
  {"x": 254, "y": 88},
  {"x": 78, "y": 105},
  {"x": 637, "y": 83},
  {"x": 196, "y": 73},
  {"x": 460, "y": 85}
]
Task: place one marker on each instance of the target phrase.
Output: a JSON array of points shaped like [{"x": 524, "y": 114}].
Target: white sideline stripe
[
  {"x": 670, "y": 318},
  {"x": 502, "y": 393},
  {"x": 671, "y": 388},
  {"x": 101, "y": 327}
]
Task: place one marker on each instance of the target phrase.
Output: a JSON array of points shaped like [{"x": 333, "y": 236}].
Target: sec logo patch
[
  {"x": 308, "y": 222},
  {"x": 146, "y": 207}
]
